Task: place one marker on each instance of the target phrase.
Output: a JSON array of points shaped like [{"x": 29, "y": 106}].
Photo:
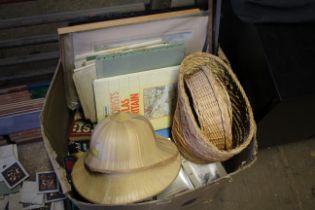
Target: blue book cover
[{"x": 166, "y": 132}]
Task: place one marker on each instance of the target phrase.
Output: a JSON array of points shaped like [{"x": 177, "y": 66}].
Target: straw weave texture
[
  {"x": 189, "y": 125},
  {"x": 212, "y": 106}
]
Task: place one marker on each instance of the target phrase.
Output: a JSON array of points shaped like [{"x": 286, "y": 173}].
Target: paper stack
[
  {"x": 120, "y": 61},
  {"x": 203, "y": 174},
  {"x": 18, "y": 193}
]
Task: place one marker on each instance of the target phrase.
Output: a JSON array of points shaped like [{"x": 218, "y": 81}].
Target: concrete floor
[{"x": 283, "y": 177}]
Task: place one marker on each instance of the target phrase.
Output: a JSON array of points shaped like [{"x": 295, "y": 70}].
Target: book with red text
[
  {"x": 150, "y": 93},
  {"x": 80, "y": 128}
]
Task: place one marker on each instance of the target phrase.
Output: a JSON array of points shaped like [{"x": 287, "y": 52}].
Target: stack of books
[
  {"x": 79, "y": 134},
  {"x": 139, "y": 77},
  {"x": 20, "y": 107},
  {"x": 26, "y": 136}
]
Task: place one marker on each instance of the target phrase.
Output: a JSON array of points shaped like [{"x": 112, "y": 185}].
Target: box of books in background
[
  {"x": 136, "y": 75},
  {"x": 19, "y": 111}
]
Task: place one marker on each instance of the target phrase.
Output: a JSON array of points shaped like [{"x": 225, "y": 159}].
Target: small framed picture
[
  {"x": 54, "y": 196},
  {"x": 47, "y": 182},
  {"x": 13, "y": 174}
]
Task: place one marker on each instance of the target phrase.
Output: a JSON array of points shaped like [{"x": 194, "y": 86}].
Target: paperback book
[
  {"x": 80, "y": 128},
  {"x": 83, "y": 78},
  {"x": 150, "y": 93}
]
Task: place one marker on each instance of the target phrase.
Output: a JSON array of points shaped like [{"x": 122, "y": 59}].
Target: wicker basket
[{"x": 188, "y": 133}]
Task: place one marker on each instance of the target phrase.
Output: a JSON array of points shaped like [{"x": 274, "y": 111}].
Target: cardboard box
[{"x": 55, "y": 118}]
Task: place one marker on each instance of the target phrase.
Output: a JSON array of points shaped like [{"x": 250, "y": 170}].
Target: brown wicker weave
[
  {"x": 190, "y": 137},
  {"x": 212, "y": 106}
]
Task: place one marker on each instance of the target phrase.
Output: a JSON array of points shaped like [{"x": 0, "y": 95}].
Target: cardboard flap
[{"x": 54, "y": 121}]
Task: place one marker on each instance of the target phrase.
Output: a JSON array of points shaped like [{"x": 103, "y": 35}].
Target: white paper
[
  {"x": 203, "y": 174},
  {"x": 88, "y": 42},
  {"x": 7, "y": 152},
  {"x": 4, "y": 202},
  {"x": 4, "y": 190},
  {"x": 14, "y": 202},
  {"x": 58, "y": 205},
  {"x": 35, "y": 206},
  {"x": 83, "y": 79},
  {"x": 29, "y": 193},
  {"x": 15, "y": 151},
  {"x": 179, "y": 185}
]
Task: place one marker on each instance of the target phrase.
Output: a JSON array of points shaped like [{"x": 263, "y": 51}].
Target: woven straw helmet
[
  {"x": 125, "y": 162},
  {"x": 213, "y": 119}
]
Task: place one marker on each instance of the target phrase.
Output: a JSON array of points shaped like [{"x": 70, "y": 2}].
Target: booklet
[{"x": 150, "y": 93}]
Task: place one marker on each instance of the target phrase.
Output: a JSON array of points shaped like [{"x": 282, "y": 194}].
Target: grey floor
[{"x": 283, "y": 177}]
